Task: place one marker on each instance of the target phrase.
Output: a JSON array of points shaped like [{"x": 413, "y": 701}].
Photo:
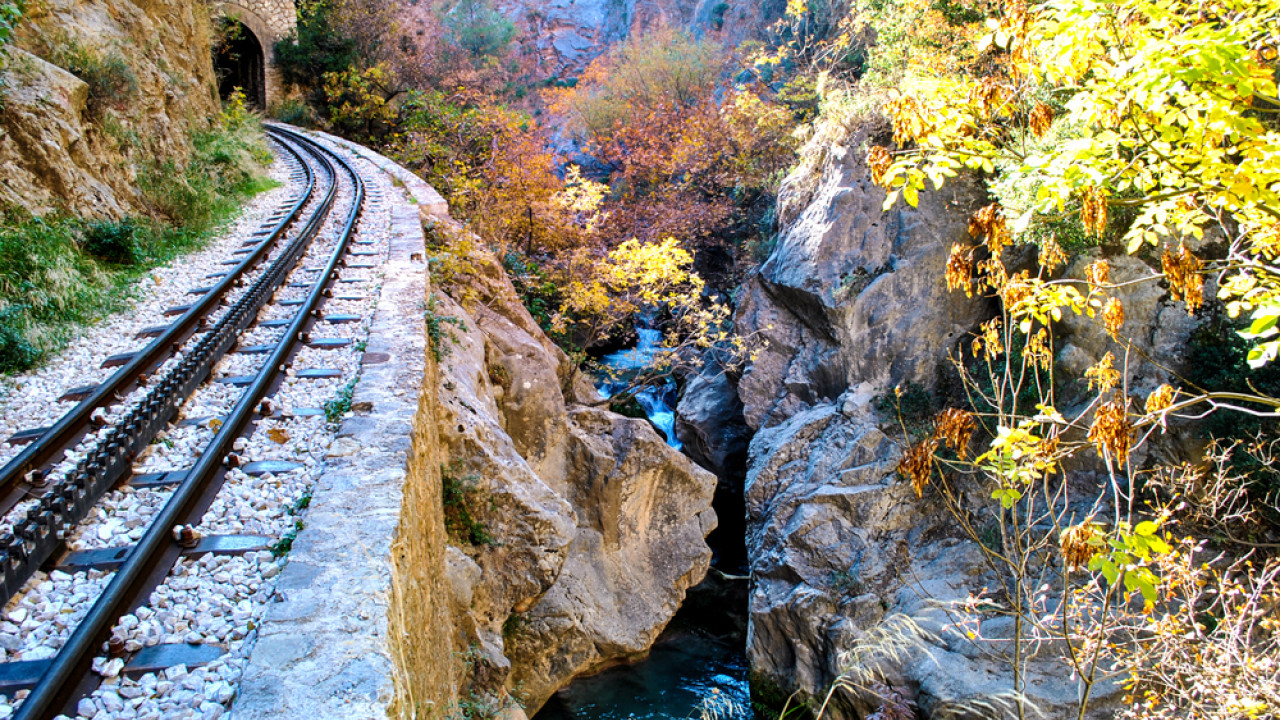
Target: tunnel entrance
[{"x": 240, "y": 62}]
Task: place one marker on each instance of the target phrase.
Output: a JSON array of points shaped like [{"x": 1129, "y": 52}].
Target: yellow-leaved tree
[{"x": 1152, "y": 124}]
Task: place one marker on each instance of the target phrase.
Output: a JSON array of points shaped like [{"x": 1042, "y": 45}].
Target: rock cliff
[
  {"x": 92, "y": 90},
  {"x": 583, "y": 529},
  {"x": 560, "y": 38},
  {"x": 842, "y": 553},
  {"x": 565, "y": 35}
]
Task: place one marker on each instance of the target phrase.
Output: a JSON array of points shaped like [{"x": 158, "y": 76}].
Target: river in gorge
[{"x": 698, "y": 666}]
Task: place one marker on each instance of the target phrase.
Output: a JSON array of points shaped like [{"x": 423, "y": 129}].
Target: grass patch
[
  {"x": 59, "y": 273},
  {"x": 458, "y": 495},
  {"x": 436, "y": 330},
  {"x": 341, "y": 403}
]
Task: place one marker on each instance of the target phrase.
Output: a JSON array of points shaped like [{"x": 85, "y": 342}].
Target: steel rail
[
  {"x": 57, "y": 688},
  {"x": 31, "y": 462},
  {"x": 34, "y": 540}
]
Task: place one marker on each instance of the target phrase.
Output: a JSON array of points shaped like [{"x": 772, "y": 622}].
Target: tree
[
  {"x": 359, "y": 101},
  {"x": 1161, "y": 107},
  {"x": 475, "y": 26},
  {"x": 601, "y": 293},
  {"x": 1151, "y": 122}
]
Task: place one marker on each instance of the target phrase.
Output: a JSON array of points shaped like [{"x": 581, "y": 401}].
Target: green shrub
[
  {"x": 294, "y": 112},
  {"x": 847, "y": 583},
  {"x": 475, "y": 26},
  {"x": 16, "y": 352},
  {"x": 341, "y": 403},
  {"x": 315, "y": 48},
  {"x": 436, "y": 331},
  {"x": 771, "y": 702},
  {"x": 114, "y": 242},
  {"x": 10, "y": 14},
  {"x": 717, "y": 15},
  {"x": 112, "y": 83},
  {"x": 458, "y": 494}
]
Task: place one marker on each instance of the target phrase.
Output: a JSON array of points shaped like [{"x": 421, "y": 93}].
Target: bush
[
  {"x": 457, "y": 496},
  {"x": 16, "y": 352},
  {"x": 475, "y": 26},
  {"x": 10, "y": 14},
  {"x": 224, "y": 170},
  {"x": 112, "y": 83},
  {"x": 114, "y": 242},
  {"x": 315, "y": 48},
  {"x": 294, "y": 112},
  {"x": 47, "y": 285}
]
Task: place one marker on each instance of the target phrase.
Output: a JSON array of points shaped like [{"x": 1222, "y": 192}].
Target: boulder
[
  {"x": 853, "y": 294},
  {"x": 710, "y": 424},
  {"x": 597, "y": 527}
]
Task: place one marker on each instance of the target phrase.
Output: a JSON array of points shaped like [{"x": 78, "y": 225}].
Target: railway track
[{"x": 231, "y": 352}]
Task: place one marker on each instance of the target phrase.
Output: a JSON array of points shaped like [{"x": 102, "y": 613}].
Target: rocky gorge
[
  {"x": 599, "y": 527},
  {"x": 544, "y": 537},
  {"x": 850, "y": 571}
]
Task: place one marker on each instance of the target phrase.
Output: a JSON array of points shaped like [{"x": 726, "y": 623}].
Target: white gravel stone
[{"x": 213, "y": 599}]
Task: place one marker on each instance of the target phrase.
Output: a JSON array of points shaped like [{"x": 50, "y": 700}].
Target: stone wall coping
[
  {"x": 322, "y": 652},
  {"x": 430, "y": 203}
]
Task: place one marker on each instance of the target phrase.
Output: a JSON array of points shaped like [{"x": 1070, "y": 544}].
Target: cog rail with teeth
[
  {"x": 25, "y": 472},
  {"x": 148, "y": 563}
]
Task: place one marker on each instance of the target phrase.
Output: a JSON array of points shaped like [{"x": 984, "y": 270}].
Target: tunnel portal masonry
[{"x": 248, "y": 62}]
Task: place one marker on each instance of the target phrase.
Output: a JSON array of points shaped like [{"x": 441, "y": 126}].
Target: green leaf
[
  {"x": 1264, "y": 324},
  {"x": 1008, "y": 497},
  {"x": 909, "y": 192}
]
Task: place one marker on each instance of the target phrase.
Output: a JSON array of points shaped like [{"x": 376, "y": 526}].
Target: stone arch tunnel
[{"x": 246, "y": 57}]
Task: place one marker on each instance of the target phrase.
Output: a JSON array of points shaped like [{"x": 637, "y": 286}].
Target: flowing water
[
  {"x": 688, "y": 674},
  {"x": 698, "y": 667},
  {"x": 658, "y": 401}
]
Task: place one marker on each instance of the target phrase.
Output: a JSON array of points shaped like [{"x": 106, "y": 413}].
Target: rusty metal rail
[
  {"x": 149, "y": 562},
  {"x": 30, "y": 465}
]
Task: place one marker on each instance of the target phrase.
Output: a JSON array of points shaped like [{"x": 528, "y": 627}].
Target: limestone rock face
[
  {"x": 841, "y": 551},
  {"x": 567, "y": 34},
  {"x": 561, "y": 37},
  {"x": 852, "y": 294},
  {"x": 58, "y": 152},
  {"x": 598, "y": 526}
]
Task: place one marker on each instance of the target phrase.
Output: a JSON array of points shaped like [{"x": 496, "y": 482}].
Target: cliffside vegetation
[
  {"x": 60, "y": 271},
  {"x": 1098, "y": 130},
  {"x": 105, "y": 177}
]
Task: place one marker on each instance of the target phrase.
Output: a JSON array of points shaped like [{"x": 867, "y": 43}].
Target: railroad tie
[
  {"x": 23, "y": 674},
  {"x": 118, "y": 359},
  {"x": 110, "y": 558},
  {"x": 76, "y": 394}
]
